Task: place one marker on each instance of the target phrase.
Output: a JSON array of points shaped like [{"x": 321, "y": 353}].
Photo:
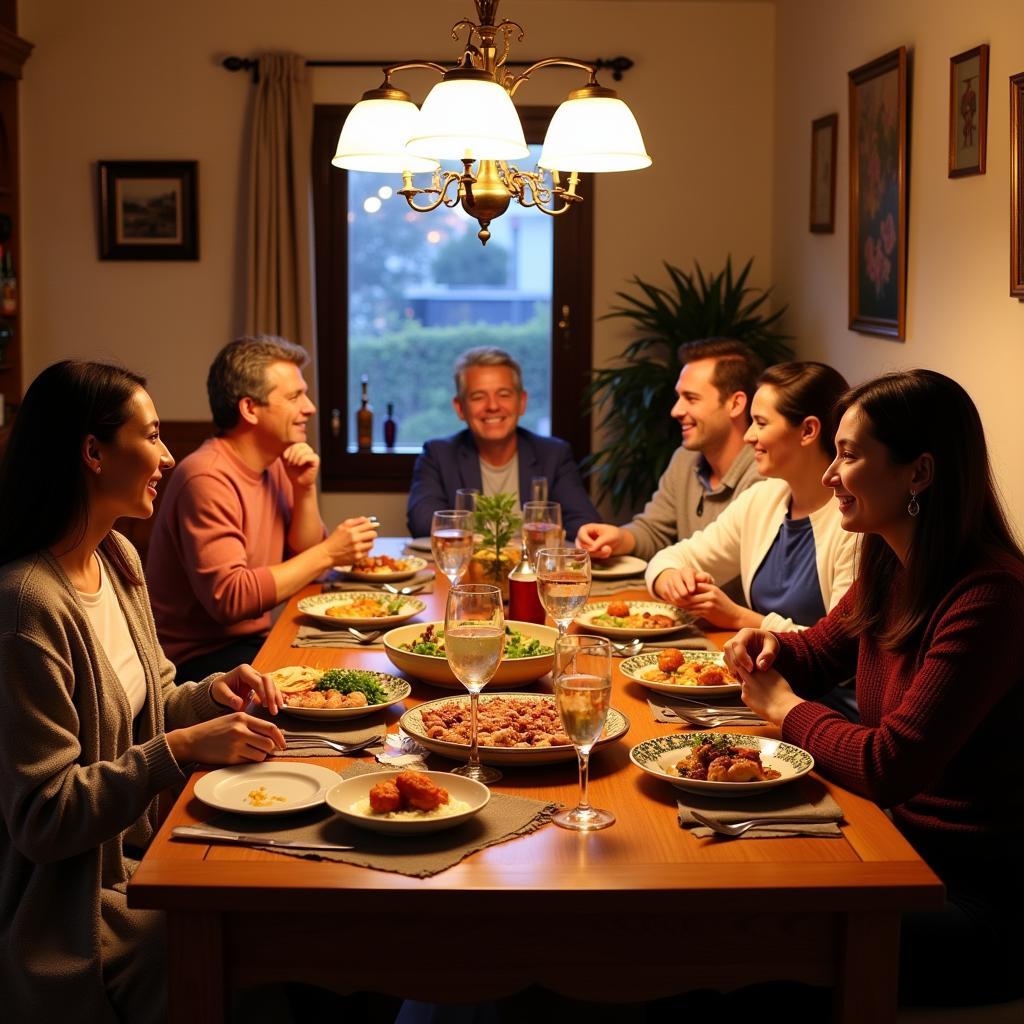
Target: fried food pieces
[
  {"x": 713, "y": 760},
  {"x": 675, "y": 667},
  {"x": 503, "y": 722},
  {"x": 407, "y": 791},
  {"x": 326, "y": 700}
]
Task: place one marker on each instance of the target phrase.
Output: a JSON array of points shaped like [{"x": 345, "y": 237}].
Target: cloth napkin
[
  {"x": 692, "y": 639},
  {"x": 424, "y": 577},
  {"x": 343, "y": 730},
  {"x": 663, "y": 708},
  {"x": 804, "y": 800},
  {"x": 505, "y": 817},
  {"x": 314, "y": 636}
]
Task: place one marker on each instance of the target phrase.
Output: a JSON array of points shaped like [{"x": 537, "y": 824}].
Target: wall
[
  {"x": 115, "y": 79},
  {"x": 960, "y": 317}
]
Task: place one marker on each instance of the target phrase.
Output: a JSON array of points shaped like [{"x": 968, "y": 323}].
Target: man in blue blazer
[{"x": 494, "y": 454}]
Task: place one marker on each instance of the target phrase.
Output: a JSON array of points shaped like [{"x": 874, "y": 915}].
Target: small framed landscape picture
[
  {"x": 148, "y": 210},
  {"x": 823, "y": 173},
  {"x": 968, "y": 111},
  {"x": 1017, "y": 186}
]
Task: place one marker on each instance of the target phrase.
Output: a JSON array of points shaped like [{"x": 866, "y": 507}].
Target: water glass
[
  {"x": 451, "y": 540},
  {"x": 539, "y": 488},
  {"x": 542, "y": 527},
  {"x": 563, "y": 583},
  {"x": 465, "y": 499}
]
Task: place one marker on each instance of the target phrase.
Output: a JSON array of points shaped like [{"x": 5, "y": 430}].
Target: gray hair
[
  {"x": 240, "y": 371},
  {"x": 484, "y": 355}
]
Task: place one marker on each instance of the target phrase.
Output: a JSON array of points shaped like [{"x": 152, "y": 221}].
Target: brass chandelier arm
[
  {"x": 567, "y": 62},
  {"x": 405, "y": 65},
  {"x": 409, "y": 191}
]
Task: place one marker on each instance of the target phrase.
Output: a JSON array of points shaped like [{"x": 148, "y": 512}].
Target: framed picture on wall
[
  {"x": 878, "y": 195},
  {"x": 1017, "y": 186},
  {"x": 823, "y": 173},
  {"x": 968, "y": 111},
  {"x": 147, "y": 210}
]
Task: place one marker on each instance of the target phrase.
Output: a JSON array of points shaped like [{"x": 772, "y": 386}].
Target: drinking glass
[
  {"x": 474, "y": 635},
  {"x": 542, "y": 527},
  {"x": 563, "y": 582},
  {"x": 465, "y": 499},
  {"x": 538, "y": 488},
  {"x": 451, "y": 540},
  {"x": 583, "y": 693}
]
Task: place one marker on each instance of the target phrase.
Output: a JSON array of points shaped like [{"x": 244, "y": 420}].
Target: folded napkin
[
  {"x": 313, "y": 636},
  {"x": 425, "y": 578},
  {"x": 691, "y": 640},
  {"x": 505, "y": 817},
  {"x": 663, "y": 708},
  {"x": 785, "y": 801},
  {"x": 343, "y": 730}
]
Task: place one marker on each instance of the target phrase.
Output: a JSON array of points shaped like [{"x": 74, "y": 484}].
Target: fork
[
  {"x": 405, "y": 591},
  {"x": 713, "y": 721},
  {"x": 737, "y": 829},
  {"x": 342, "y": 748},
  {"x": 695, "y": 707},
  {"x": 365, "y": 638}
]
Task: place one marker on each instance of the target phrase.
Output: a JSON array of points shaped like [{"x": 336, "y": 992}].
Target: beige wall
[
  {"x": 960, "y": 318},
  {"x": 116, "y": 79}
]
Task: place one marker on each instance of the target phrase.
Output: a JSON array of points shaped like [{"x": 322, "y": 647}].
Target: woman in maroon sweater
[{"x": 932, "y": 627}]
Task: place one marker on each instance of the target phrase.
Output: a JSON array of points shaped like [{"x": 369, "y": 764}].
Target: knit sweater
[
  {"x": 940, "y": 723},
  {"x": 78, "y": 782}
]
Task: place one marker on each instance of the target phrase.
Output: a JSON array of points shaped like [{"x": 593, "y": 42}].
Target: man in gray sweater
[{"x": 712, "y": 465}]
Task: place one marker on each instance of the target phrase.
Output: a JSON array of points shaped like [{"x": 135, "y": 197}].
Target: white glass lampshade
[
  {"x": 593, "y": 133},
  {"x": 468, "y": 120},
  {"x": 373, "y": 138}
]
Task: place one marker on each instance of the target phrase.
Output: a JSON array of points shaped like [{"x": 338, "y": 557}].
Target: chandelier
[{"x": 469, "y": 116}]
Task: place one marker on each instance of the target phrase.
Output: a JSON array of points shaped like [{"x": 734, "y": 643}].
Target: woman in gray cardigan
[{"x": 92, "y": 727}]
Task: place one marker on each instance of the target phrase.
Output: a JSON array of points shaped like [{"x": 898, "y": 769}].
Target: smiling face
[
  {"x": 699, "y": 409},
  {"x": 281, "y": 420},
  {"x": 778, "y": 445},
  {"x": 491, "y": 405}
]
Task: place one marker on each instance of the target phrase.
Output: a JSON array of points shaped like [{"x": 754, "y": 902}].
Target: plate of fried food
[
  {"x": 337, "y": 692},
  {"x": 672, "y": 671},
  {"x": 382, "y": 568},
  {"x": 623, "y": 620},
  {"x": 406, "y": 802},
  {"x": 360, "y": 608},
  {"x": 513, "y": 729},
  {"x": 722, "y": 764},
  {"x": 528, "y": 654}
]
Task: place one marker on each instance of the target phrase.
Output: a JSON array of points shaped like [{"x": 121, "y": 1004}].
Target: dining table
[{"x": 638, "y": 911}]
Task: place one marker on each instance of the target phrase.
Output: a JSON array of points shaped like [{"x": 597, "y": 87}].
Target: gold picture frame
[
  {"x": 1017, "y": 186},
  {"x": 968, "y": 111}
]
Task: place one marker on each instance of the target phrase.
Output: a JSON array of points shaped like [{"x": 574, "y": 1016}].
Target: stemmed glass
[
  {"x": 583, "y": 693},
  {"x": 563, "y": 582},
  {"x": 542, "y": 527},
  {"x": 474, "y": 635},
  {"x": 465, "y": 498},
  {"x": 451, "y": 539}
]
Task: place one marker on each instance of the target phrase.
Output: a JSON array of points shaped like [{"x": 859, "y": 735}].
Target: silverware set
[
  {"x": 308, "y": 738},
  {"x": 365, "y": 638},
  {"x": 737, "y": 829}
]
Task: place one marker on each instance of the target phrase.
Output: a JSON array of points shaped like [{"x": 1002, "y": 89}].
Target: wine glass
[
  {"x": 474, "y": 635},
  {"x": 583, "y": 693},
  {"x": 542, "y": 527},
  {"x": 451, "y": 540},
  {"x": 563, "y": 582}
]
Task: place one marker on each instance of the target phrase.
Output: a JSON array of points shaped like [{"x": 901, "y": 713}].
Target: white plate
[
  {"x": 587, "y": 614},
  {"x": 397, "y": 689},
  {"x": 316, "y": 607},
  {"x": 633, "y": 668},
  {"x": 617, "y": 567},
  {"x": 412, "y": 723},
  {"x": 419, "y": 544},
  {"x": 413, "y": 566},
  {"x": 653, "y": 757},
  {"x": 302, "y": 786},
  {"x": 511, "y": 673},
  {"x": 341, "y": 797}
]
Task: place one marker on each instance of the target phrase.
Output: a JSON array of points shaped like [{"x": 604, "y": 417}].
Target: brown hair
[
  {"x": 736, "y": 365},
  {"x": 805, "y": 389}
]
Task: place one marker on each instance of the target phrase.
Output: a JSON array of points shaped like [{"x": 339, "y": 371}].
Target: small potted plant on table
[{"x": 495, "y": 522}]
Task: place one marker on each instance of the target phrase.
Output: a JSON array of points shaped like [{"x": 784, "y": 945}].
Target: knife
[{"x": 199, "y": 833}]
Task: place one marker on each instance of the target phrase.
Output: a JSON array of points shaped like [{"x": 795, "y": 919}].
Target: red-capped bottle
[{"x": 523, "y": 600}]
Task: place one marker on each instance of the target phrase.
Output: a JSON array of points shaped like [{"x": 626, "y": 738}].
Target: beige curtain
[{"x": 279, "y": 291}]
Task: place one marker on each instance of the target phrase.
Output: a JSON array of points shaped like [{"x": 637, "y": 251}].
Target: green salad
[
  {"x": 431, "y": 643},
  {"x": 346, "y": 680}
]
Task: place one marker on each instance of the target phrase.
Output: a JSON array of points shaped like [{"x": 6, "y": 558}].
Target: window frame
[{"x": 345, "y": 470}]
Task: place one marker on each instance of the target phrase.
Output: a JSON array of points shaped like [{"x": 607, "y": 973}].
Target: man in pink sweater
[{"x": 239, "y": 528}]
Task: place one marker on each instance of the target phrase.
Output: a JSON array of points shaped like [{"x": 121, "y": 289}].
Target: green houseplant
[
  {"x": 495, "y": 521},
  {"x": 635, "y": 395}
]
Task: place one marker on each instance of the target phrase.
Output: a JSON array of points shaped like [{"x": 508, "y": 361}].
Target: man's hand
[
  {"x": 350, "y": 540},
  {"x": 603, "y": 540},
  {"x": 301, "y": 464}
]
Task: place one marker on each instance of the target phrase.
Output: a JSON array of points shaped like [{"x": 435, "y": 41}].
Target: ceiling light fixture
[{"x": 469, "y": 116}]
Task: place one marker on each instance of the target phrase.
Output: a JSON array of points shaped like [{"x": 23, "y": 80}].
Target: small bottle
[
  {"x": 523, "y": 600},
  {"x": 390, "y": 427},
  {"x": 364, "y": 421},
  {"x": 9, "y": 288}
]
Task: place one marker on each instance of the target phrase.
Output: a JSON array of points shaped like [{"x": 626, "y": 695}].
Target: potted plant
[
  {"x": 637, "y": 393},
  {"x": 495, "y": 522}
]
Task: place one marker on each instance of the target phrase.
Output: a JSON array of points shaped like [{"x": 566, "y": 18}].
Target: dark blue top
[{"x": 786, "y": 582}]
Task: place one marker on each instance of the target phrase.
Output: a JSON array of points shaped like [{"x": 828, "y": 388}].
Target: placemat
[
  {"x": 782, "y": 802},
  {"x": 602, "y": 588},
  {"x": 424, "y": 579},
  {"x": 505, "y": 817},
  {"x": 692, "y": 640},
  {"x": 663, "y": 708},
  {"x": 344, "y": 730},
  {"x": 314, "y": 636}
]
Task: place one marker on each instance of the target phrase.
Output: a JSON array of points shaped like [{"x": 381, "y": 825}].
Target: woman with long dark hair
[
  {"x": 92, "y": 727},
  {"x": 931, "y": 627}
]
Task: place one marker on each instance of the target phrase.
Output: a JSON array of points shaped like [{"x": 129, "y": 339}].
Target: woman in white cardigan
[{"x": 783, "y": 537}]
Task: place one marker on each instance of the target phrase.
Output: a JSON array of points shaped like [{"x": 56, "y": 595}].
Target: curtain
[{"x": 279, "y": 291}]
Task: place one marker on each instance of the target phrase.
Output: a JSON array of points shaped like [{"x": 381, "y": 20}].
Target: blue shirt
[{"x": 786, "y": 581}]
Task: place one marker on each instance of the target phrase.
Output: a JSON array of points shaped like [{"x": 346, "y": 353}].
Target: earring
[{"x": 913, "y": 508}]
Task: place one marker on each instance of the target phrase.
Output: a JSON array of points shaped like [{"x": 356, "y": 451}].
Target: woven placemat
[{"x": 810, "y": 800}]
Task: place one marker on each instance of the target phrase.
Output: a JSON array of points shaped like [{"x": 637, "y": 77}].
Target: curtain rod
[{"x": 617, "y": 65}]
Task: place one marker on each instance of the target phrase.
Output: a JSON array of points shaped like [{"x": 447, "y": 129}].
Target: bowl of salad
[{"x": 418, "y": 650}]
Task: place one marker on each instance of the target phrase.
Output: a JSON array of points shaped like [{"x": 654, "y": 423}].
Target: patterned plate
[
  {"x": 316, "y": 607},
  {"x": 413, "y": 565},
  {"x": 585, "y": 619},
  {"x": 635, "y": 667},
  {"x": 395, "y": 688},
  {"x": 655, "y": 756}
]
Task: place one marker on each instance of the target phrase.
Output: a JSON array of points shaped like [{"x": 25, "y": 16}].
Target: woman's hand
[
  {"x": 768, "y": 693},
  {"x": 231, "y": 739},
  {"x": 750, "y": 649},
  {"x": 711, "y": 603},
  {"x": 235, "y": 689},
  {"x": 679, "y": 585}
]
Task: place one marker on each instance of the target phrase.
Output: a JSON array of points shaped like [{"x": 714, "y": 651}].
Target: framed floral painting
[
  {"x": 1017, "y": 186},
  {"x": 968, "y": 111},
  {"x": 878, "y": 195},
  {"x": 823, "y": 173}
]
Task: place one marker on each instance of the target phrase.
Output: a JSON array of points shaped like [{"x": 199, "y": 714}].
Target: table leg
[
  {"x": 867, "y": 984},
  {"x": 195, "y": 968}
]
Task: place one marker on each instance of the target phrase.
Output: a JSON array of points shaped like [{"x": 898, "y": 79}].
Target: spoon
[
  {"x": 744, "y": 826},
  {"x": 628, "y": 649},
  {"x": 405, "y": 591},
  {"x": 365, "y": 638}
]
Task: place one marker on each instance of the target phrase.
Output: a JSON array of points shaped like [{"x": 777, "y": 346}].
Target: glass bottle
[
  {"x": 390, "y": 427},
  {"x": 364, "y": 421},
  {"x": 523, "y": 601},
  {"x": 9, "y": 289}
]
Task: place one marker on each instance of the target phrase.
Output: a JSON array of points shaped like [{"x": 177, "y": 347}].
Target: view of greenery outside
[{"x": 422, "y": 289}]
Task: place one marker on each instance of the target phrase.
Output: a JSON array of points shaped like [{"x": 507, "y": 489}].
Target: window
[{"x": 417, "y": 289}]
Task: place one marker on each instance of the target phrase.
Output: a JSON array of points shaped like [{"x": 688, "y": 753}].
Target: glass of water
[{"x": 563, "y": 583}]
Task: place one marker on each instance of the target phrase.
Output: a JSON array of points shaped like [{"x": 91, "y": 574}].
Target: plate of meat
[
  {"x": 674, "y": 672},
  {"x": 382, "y": 568},
  {"x": 623, "y": 620}
]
